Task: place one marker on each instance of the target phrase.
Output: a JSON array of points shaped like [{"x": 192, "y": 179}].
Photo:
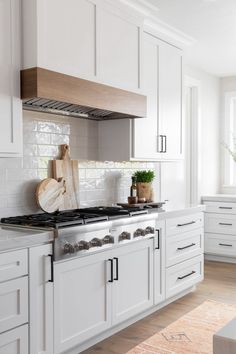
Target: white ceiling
[{"x": 212, "y": 23}]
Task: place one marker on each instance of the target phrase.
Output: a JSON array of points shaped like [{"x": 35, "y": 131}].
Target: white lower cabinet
[
  {"x": 184, "y": 246},
  {"x": 14, "y": 341},
  {"x": 219, "y": 244},
  {"x": 95, "y": 292},
  {"x": 184, "y": 275},
  {"x": 132, "y": 290},
  {"x": 13, "y": 303},
  {"x": 82, "y": 299},
  {"x": 159, "y": 263},
  {"x": 41, "y": 300}
]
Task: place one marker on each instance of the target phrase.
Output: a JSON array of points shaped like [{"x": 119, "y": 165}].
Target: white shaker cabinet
[
  {"x": 41, "y": 300},
  {"x": 132, "y": 290},
  {"x": 157, "y": 137},
  {"x": 82, "y": 299},
  {"x": 159, "y": 263},
  {"x": 10, "y": 103},
  {"x": 14, "y": 341}
]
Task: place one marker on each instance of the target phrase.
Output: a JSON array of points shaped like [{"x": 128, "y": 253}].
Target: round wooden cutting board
[{"x": 49, "y": 194}]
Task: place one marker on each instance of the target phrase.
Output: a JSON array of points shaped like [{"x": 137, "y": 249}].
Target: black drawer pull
[
  {"x": 158, "y": 239},
  {"x": 112, "y": 279},
  {"x": 187, "y": 223},
  {"x": 187, "y": 275},
  {"x": 188, "y": 246},
  {"x": 52, "y": 273},
  {"x": 117, "y": 268},
  {"x": 225, "y": 244},
  {"x": 225, "y": 224},
  {"x": 225, "y": 207}
]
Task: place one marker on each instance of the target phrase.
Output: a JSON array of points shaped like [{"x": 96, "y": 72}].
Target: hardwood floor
[{"x": 219, "y": 284}]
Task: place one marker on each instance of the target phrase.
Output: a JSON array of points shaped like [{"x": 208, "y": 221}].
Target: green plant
[{"x": 144, "y": 176}]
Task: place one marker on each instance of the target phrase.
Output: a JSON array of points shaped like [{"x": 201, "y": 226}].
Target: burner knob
[
  {"x": 124, "y": 236},
  {"x": 149, "y": 230},
  {"x": 68, "y": 248},
  {"x": 96, "y": 242},
  {"x": 84, "y": 245},
  {"x": 139, "y": 232},
  {"x": 108, "y": 239}
]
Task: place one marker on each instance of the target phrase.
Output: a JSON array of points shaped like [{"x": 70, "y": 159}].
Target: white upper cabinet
[
  {"x": 118, "y": 48},
  {"x": 83, "y": 38},
  {"x": 159, "y": 135},
  {"x": 10, "y": 103}
]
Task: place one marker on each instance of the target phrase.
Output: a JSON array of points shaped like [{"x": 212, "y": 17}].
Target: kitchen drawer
[
  {"x": 220, "y": 207},
  {"x": 13, "y": 303},
  {"x": 13, "y": 264},
  {"x": 14, "y": 341},
  {"x": 221, "y": 224},
  {"x": 184, "y": 223},
  {"x": 184, "y": 275},
  {"x": 183, "y": 246},
  {"x": 224, "y": 245}
]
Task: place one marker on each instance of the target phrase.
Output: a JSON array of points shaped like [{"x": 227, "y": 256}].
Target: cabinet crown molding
[{"x": 154, "y": 25}]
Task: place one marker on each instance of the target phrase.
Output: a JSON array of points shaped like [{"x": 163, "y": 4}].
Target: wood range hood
[{"x": 52, "y": 92}]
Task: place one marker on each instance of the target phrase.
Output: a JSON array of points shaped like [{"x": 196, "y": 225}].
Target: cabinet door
[
  {"x": 132, "y": 290},
  {"x": 10, "y": 103},
  {"x": 41, "y": 300},
  {"x": 159, "y": 135},
  {"x": 159, "y": 263},
  {"x": 14, "y": 341},
  {"x": 81, "y": 300},
  {"x": 146, "y": 129},
  {"x": 14, "y": 303},
  {"x": 118, "y": 46},
  {"x": 170, "y": 100}
]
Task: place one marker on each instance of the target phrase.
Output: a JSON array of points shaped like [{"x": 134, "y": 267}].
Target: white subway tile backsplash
[{"x": 100, "y": 183}]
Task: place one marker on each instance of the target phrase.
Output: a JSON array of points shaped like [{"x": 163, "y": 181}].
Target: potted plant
[{"x": 144, "y": 185}]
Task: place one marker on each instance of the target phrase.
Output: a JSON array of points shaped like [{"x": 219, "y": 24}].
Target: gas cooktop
[
  {"x": 56, "y": 220},
  {"x": 66, "y": 218}
]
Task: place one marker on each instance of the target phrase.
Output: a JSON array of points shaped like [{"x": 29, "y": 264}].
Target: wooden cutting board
[
  {"x": 49, "y": 195},
  {"x": 68, "y": 170}
]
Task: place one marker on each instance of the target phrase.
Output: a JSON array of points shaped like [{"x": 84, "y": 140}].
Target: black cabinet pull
[
  {"x": 162, "y": 145},
  {"x": 165, "y": 143},
  {"x": 188, "y": 246},
  {"x": 158, "y": 239},
  {"x": 187, "y": 223},
  {"x": 117, "y": 268},
  {"x": 52, "y": 273},
  {"x": 225, "y": 224},
  {"x": 111, "y": 263},
  {"x": 225, "y": 244},
  {"x": 220, "y": 207},
  {"x": 187, "y": 275}
]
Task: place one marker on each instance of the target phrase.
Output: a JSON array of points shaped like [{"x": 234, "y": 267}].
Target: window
[{"x": 229, "y": 140}]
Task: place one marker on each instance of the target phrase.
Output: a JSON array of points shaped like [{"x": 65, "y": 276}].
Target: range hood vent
[{"x": 48, "y": 91}]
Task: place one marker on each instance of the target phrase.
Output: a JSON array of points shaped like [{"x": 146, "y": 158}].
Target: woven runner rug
[{"x": 190, "y": 334}]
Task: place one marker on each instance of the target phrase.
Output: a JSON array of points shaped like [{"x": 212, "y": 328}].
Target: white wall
[{"x": 173, "y": 179}]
